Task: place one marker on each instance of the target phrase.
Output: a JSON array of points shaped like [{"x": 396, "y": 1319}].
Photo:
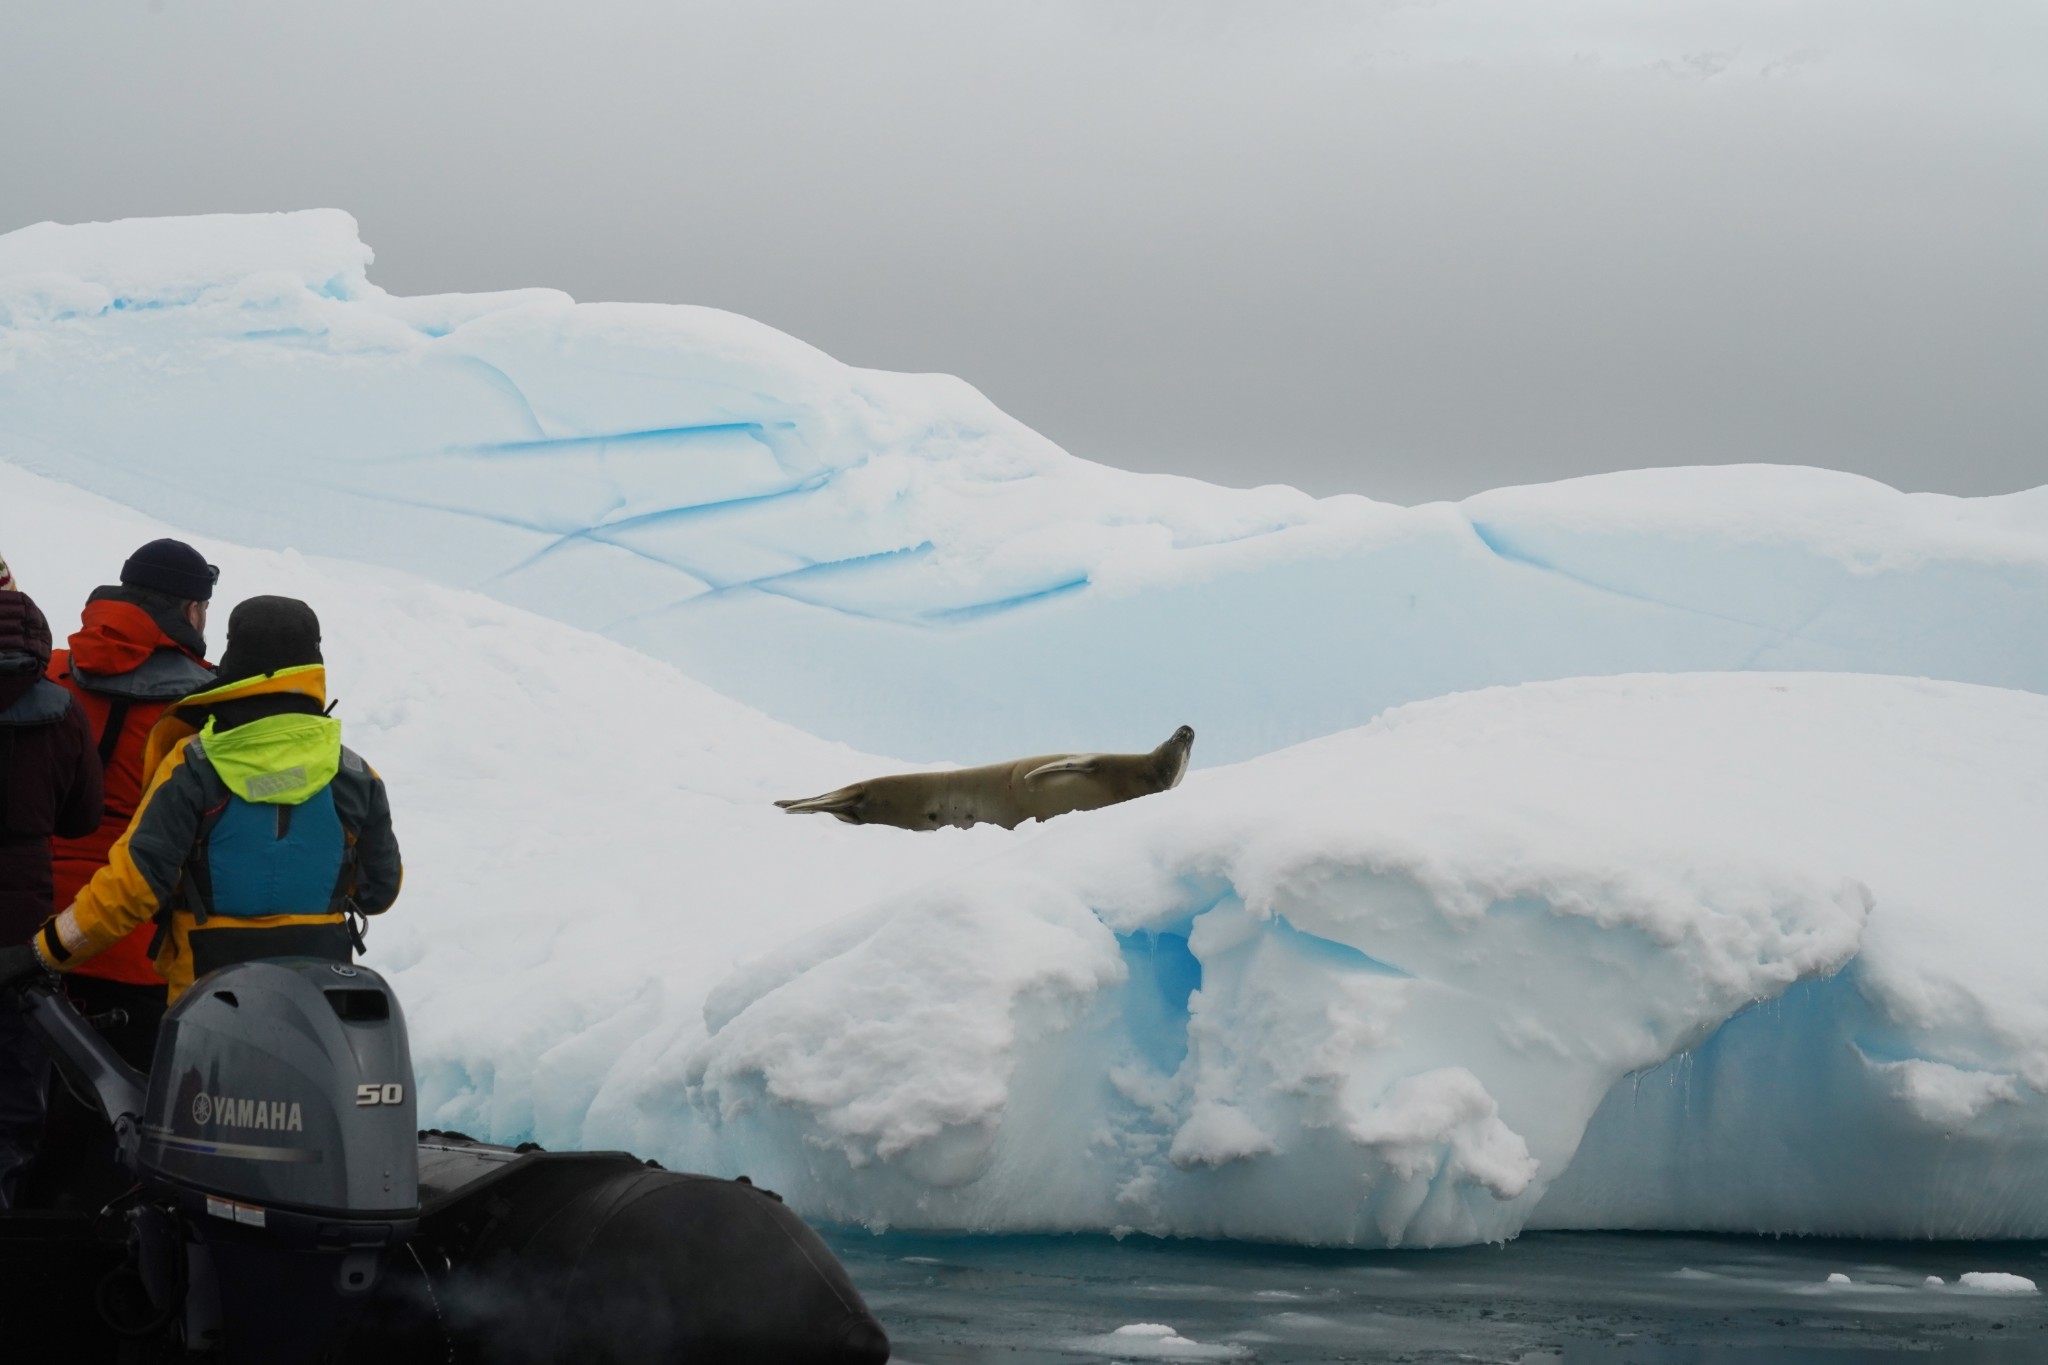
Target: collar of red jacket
[{"x": 119, "y": 635}]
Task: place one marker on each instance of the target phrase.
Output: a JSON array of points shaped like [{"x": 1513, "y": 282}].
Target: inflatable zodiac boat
[{"x": 275, "y": 1203}]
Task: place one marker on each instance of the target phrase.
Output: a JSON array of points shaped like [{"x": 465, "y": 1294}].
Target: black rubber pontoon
[{"x": 284, "y": 1208}]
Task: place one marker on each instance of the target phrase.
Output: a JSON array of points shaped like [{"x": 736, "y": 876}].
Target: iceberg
[
  {"x": 1662, "y": 951},
  {"x": 1656, "y": 850},
  {"x": 588, "y": 835},
  {"x": 722, "y": 496}
]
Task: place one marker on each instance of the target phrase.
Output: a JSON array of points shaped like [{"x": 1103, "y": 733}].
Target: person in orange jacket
[{"x": 141, "y": 647}]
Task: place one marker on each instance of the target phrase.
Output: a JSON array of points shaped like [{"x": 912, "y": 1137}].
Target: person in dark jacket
[
  {"x": 49, "y": 784},
  {"x": 259, "y": 834},
  {"x": 141, "y": 646}
]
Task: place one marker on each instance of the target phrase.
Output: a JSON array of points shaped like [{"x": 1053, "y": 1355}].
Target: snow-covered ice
[
  {"x": 1491, "y": 904},
  {"x": 588, "y": 837},
  {"x": 1410, "y": 962},
  {"x": 888, "y": 559}
]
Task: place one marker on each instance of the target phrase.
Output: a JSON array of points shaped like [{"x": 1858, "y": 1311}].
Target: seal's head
[{"x": 1173, "y": 755}]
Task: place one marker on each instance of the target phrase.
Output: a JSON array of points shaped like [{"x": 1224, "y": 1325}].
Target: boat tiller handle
[{"x": 90, "y": 1067}]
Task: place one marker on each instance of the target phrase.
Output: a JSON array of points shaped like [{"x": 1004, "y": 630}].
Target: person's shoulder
[
  {"x": 185, "y": 755},
  {"x": 74, "y": 717},
  {"x": 358, "y": 790},
  {"x": 44, "y": 703},
  {"x": 58, "y": 674},
  {"x": 355, "y": 768}
]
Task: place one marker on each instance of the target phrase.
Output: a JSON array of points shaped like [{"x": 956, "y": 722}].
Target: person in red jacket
[
  {"x": 49, "y": 784},
  {"x": 141, "y": 647}
]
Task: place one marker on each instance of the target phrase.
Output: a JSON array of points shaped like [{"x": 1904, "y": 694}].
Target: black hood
[
  {"x": 24, "y": 646},
  {"x": 266, "y": 634}
]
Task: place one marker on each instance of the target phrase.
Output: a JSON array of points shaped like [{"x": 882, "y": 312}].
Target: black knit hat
[
  {"x": 266, "y": 634},
  {"x": 171, "y": 567}
]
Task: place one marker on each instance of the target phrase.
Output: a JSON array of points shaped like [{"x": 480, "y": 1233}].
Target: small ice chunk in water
[
  {"x": 1995, "y": 1282},
  {"x": 1157, "y": 1341},
  {"x": 1934, "y": 1281},
  {"x": 1838, "y": 1278}
]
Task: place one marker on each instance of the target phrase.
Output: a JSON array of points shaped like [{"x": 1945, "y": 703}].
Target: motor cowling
[{"x": 285, "y": 1085}]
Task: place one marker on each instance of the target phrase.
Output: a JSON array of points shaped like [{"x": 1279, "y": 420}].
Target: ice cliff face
[
  {"x": 726, "y": 498},
  {"x": 1661, "y": 948},
  {"x": 1372, "y": 990}
]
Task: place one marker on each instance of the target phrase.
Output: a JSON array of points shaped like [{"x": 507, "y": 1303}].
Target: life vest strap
[
  {"x": 224, "y": 947},
  {"x": 110, "y": 733}
]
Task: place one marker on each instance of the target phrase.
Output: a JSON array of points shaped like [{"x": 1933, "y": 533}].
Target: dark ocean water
[{"x": 1544, "y": 1299}]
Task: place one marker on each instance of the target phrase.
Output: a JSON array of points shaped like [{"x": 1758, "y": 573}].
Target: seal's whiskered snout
[{"x": 1175, "y": 753}]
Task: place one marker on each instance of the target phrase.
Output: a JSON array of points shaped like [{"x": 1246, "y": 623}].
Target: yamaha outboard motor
[
  {"x": 287, "y": 1210},
  {"x": 280, "y": 1112},
  {"x": 277, "y": 1134}
]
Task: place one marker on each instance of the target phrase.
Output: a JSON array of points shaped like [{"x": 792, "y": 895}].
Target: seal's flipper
[
  {"x": 1072, "y": 763},
  {"x": 842, "y": 803}
]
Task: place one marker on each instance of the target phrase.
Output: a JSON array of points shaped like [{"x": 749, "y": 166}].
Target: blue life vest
[{"x": 264, "y": 859}]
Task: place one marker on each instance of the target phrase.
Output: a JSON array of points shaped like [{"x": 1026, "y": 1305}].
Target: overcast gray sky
[{"x": 1406, "y": 249}]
